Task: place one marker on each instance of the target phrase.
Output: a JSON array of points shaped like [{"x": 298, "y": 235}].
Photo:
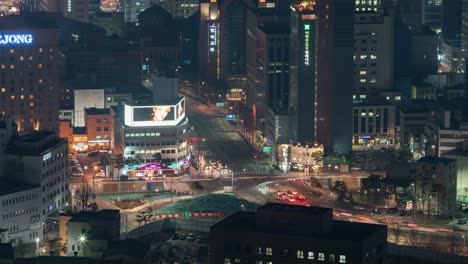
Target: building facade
[
  {"x": 374, "y": 126},
  {"x": 179, "y": 9},
  {"x": 374, "y": 49},
  {"x": 99, "y": 129},
  {"x": 86, "y": 98},
  {"x": 461, "y": 157},
  {"x": 209, "y": 40},
  {"x": 20, "y": 212},
  {"x": 321, "y": 47},
  {"x": 435, "y": 186},
  {"x": 279, "y": 233},
  {"x": 40, "y": 158},
  {"x": 131, "y": 9},
  {"x": 29, "y": 82}
]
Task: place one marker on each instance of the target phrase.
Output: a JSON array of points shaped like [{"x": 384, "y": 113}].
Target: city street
[{"x": 222, "y": 138}]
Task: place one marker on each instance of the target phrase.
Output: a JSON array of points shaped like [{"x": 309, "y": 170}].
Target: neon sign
[
  {"x": 306, "y": 43},
  {"x": 6, "y": 39},
  {"x": 213, "y": 37}
]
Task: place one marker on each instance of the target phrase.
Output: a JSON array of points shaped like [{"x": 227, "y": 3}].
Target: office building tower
[
  {"x": 321, "y": 63},
  {"x": 424, "y": 47},
  {"x": 410, "y": 12},
  {"x": 209, "y": 49},
  {"x": 279, "y": 233},
  {"x": 179, "y": 9},
  {"x": 75, "y": 9},
  {"x": 464, "y": 32},
  {"x": 452, "y": 21},
  {"x": 238, "y": 24},
  {"x": 86, "y": 98},
  {"x": 29, "y": 74},
  {"x": 374, "y": 48},
  {"x": 432, "y": 14},
  {"x": 39, "y": 158}
]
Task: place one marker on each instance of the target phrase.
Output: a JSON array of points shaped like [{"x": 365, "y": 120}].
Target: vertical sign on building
[
  {"x": 306, "y": 43},
  {"x": 213, "y": 36}
]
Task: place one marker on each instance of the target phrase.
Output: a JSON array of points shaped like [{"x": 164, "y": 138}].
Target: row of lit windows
[
  {"x": 19, "y": 212},
  {"x": 21, "y": 199},
  {"x": 301, "y": 254},
  {"x": 38, "y": 49},
  {"x": 151, "y": 151}
]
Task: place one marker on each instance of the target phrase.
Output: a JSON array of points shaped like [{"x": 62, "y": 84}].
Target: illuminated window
[
  {"x": 331, "y": 258},
  {"x": 372, "y": 81},
  {"x": 40, "y": 49},
  {"x": 12, "y": 66},
  {"x": 31, "y": 104},
  {"x": 30, "y": 57},
  {"x": 269, "y": 251},
  {"x": 3, "y": 90},
  {"x": 3, "y": 66},
  {"x": 373, "y": 57},
  {"x": 342, "y": 259},
  {"x": 310, "y": 255},
  {"x": 321, "y": 256},
  {"x": 40, "y": 80},
  {"x": 397, "y": 98},
  {"x": 363, "y": 57},
  {"x": 259, "y": 251},
  {"x": 40, "y": 65},
  {"x": 12, "y": 51},
  {"x": 363, "y": 80},
  {"x": 363, "y": 114},
  {"x": 227, "y": 261},
  {"x": 22, "y": 96},
  {"x": 300, "y": 254},
  {"x": 21, "y": 58},
  {"x": 363, "y": 72},
  {"x": 31, "y": 96},
  {"x": 12, "y": 97}
]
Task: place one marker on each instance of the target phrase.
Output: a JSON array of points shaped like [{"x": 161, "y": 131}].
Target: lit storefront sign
[
  {"x": 213, "y": 37},
  {"x": 306, "y": 44},
  {"x": 47, "y": 156},
  {"x": 6, "y": 39}
]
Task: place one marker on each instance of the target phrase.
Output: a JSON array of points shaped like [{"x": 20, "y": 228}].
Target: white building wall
[{"x": 87, "y": 98}]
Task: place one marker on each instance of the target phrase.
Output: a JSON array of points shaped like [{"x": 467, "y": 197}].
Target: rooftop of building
[
  {"x": 435, "y": 160},
  {"x": 33, "y": 143},
  {"x": 8, "y": 187},
  {"x": 97, "y": 111},
  {"x": 85, "y": 216},
  {"x": 340, "y": 230}
]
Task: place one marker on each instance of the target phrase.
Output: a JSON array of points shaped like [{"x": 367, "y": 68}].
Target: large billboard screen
[{"x": 154, "y": 113}]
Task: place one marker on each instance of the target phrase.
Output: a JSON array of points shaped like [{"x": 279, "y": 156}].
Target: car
[
  {"x": 190, "y": 238},
  {"x": 462, "y": 221},
  {"x": 392, "y": 210},
  {"x": 300, "y": 197},
  {"x": 100, "y": 174},
  {"x": 175, "y": 237},
  {"x": 183, "y": 236},
  {"x": 280, "y": 193},
  {"x": 387, "y": 221},
  {"x": 292, "y": 200},
  {"x": 376, "y": 211},
  {"x": 200, "y": 241},
  {"x": 294, "y": 192},
  {"x": 359, "y": 207}
]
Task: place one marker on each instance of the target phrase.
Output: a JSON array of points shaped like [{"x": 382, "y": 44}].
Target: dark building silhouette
[{"x": 279, "y": 233}]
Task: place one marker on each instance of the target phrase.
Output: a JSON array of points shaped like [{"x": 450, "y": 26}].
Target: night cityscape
[{"x": 233, "y": 131}]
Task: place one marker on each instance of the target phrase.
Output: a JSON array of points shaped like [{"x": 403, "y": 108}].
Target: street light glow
[{"x": 82, "y": 238}]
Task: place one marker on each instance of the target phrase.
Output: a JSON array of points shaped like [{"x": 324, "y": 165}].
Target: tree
[
  {"x": 397, "y": 233},
  {"x": 340, "y": 188},
  {"x": 57, "y": 247}
]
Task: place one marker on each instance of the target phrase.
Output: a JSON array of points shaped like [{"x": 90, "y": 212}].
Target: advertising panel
[{"x": 154, "y": 113}]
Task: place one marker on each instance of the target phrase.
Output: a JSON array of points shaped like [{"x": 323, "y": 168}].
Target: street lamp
[
  {"x": 37, "y": 245},
  {"x": 82, "y": 240}
]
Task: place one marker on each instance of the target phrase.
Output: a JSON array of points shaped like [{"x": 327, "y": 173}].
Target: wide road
[{"x": 222, "y": 139}]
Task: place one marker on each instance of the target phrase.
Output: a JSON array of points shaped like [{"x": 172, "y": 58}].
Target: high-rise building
[
  {"x": 238, "y": 24},
  {"x": 321, "y": 63},
  {"x": 374, "y": 48},
  {"x": 280, "y": 233},
  {"x": 131, "y": 9},
  {"x": 179, "y": 8},
  {"x": 86, "y": 98},
  {"x": 432, "y": 14},
  {"x": 209, "y": 49},
  {"x": 452, "y": 21},
  {"x": 464, "y": 32},
  {"x": 29, "y": 74}
]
